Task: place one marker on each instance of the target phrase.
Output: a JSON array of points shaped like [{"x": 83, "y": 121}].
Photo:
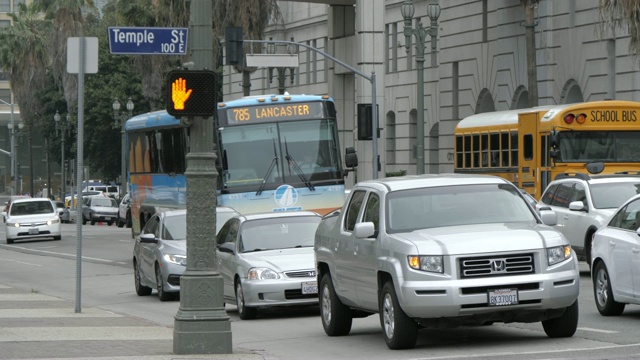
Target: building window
[
  {"x": 4, "y": 75},
  {"x": 390, "y": 130},
  {"x": 15, "y": 4},
  {"x": 5, "y": 95},
  {"x": 5, "y": 6},
  {"x": 5, "y": 23}
]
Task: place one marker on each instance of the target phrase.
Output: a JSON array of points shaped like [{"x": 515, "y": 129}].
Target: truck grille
[{"x": 500, "y": 265}]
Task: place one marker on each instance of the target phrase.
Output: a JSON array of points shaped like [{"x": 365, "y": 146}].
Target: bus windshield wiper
[
  {"x": 274, "y": 163},
  {"x": 296, "y": 168}
]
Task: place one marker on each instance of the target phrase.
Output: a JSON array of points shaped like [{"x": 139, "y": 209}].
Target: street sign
[
  {"x": 148, "y": 41},
  {"x": 191, "y": 93}
]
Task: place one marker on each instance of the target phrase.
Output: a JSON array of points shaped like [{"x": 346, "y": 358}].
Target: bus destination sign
[{"x": 270, "y": 112}]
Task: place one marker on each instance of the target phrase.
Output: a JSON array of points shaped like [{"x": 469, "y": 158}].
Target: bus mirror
[
  {"x": 350, "y": 157},
  {"x": 225, "y": 161},
  {"x": 553, "y": 138},
  {"x": 554, "y": 154},
  {"x": 595, "y": 167}
]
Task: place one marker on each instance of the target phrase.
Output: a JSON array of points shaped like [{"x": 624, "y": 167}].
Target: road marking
[
  {"x": 22, "y": 262},
  {"x": 72, "y": 256},
  {"x": 598, "y": 330}
]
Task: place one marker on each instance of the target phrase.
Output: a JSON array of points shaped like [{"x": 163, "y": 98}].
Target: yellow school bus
[{"x": 530, "y": 147}]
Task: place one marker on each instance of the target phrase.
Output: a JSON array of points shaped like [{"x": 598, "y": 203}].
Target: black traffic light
[
  {"x": 191, "y": 93},
  {"x": 365, "y": 123},
  {"x": 233, "y": 45}
]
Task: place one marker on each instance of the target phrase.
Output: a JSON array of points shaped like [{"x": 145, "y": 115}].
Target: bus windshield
[
  {"x": 607, "y": 146},
  {"x": 287, "y": 152}
]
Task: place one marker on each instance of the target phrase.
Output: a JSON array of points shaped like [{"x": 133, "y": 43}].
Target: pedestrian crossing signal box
[{"x": 191, "y": 93}]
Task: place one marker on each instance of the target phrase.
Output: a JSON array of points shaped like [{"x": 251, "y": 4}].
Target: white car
[
  {"x": 441, "y": 251},
  {"x": 266, "y": 260},
  {"x": 124, "y": 212},
  {"x": 615, "y": 267},
  {"x": 32, "y": 218}
]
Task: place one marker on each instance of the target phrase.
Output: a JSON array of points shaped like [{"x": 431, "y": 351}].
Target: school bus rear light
[
  {"x": 568, "y": 119},
  {"x": 580, "y": 119}
]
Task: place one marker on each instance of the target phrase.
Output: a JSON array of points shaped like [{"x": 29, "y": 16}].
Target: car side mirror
[
  {"x": 548, "y": 216},
  {"x": 227, "y": 247},
  {"x": 364, "y": 230},
  {"x": 577, "y": 206},
  {"x": 148, "y": 238}
]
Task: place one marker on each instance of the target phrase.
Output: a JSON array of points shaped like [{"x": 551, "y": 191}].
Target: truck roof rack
[{"x": 573, "y": 175}]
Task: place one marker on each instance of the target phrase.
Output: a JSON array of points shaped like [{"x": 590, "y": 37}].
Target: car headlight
[
  {"x": 176, "y": 259},
  {"x": 431, "y": 263},
  {"x": 53, "y": 221},
  {"x": 13, "y": 224},
  {"x": 558, "y": 254},
  {"x": 262, "y": 274}
]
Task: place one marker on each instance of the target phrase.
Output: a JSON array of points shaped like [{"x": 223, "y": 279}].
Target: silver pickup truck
[{"x": 443, "y": 251}]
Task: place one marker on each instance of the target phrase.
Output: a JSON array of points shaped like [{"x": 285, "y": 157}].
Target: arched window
[
  {"x": 485, "y": 102},
  {"x": 571, "y": 93},
  {"x": 520, "y": 98}
]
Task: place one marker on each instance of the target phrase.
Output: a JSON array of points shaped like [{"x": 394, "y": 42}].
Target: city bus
[
  {"x": 530, "y": 147},
  {"x": 262, "y": 145}
]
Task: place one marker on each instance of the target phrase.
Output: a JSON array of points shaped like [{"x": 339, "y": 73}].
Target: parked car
[
  {"x": 32, "y": 218},
  {"x": 615, "y": 267},
  {"x": 266, "y": 260},
  {"x": 160, "y": 252},
  {"x": 124, "y": 212},
  {"x": 85, "y": 194},
  {"x": 63, "y": 212},
  {"x": 99, "y": 209},
  {"x": 442, "y": 251},
  {"x": 586, "y": 202}
]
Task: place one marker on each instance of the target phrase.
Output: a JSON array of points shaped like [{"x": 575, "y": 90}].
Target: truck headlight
[
  {"x": 558, "y": 254},
  {"x": 431, "y": 263}
]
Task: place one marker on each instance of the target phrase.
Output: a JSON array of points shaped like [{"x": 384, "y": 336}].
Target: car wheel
[
  {"x": 336, "y": 317},
  {"x": 245, "y": 312},
  {"x": 563, "y": 326},
  {"x": 400, "y": 331},
  {"x": 129, "y": 224},
  {"x": 119, "y": 223},
  {"x": 109, "y": 223},
  {"x": 603, "y": 293},
  {"x": 141, "y": 290},
  {"x": 9, "y": 241},
  {"x": 84, "y": 221},
  {"x": 59, "y": 237},
  {"x": 163, "y": 295},
  {"x": 93, "y": 221}
]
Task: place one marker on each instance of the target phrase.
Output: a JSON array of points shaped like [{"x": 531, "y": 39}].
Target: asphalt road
[{"x": 106, "y": 274}]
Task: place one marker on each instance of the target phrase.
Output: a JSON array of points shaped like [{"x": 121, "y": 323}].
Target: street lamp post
[
  {"x": 119, "y": 120},
  {"x": 433, "y": 11},
  {"x": 14, "y": 153},
  {"x": 13, "y": 161},
  {"x": 62, "y": 127},
  {"x": 282, "y": 71}
]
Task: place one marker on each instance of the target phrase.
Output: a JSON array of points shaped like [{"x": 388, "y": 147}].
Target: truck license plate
[
  {"x": 310, "y": 287},
  {"x": 502, "y": 297}
]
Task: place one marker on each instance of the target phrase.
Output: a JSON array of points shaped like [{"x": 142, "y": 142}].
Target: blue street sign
[{"x": 149, "y": 41}]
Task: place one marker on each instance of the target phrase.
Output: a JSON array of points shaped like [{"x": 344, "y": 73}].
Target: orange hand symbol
[{"x": 179, "y": 93}]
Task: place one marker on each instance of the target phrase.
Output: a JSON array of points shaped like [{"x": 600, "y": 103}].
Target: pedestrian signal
[{"x": 191, "y": 93}]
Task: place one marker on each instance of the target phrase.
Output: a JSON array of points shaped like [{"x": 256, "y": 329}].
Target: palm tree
[
  {"x": 620, "y": 14},
  {"x": 23, "y": 54},
  {"x": 252, "y": 16},
  {"x": 68, "y": 21},
  {"x": 153, "y": 13}
]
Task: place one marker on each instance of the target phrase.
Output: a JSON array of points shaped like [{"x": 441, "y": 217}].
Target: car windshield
[
  {"x": 175, "y": 227},
  {"x": 278, "y": 233},
  {"x": 100, "y": 201},
  {"x": 613, "y": 194},
  {"x": 423, "y": 208},
  {"x": 31, "y": 208}
]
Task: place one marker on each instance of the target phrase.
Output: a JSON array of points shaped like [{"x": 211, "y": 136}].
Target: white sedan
[
  {"x": 32, "y": 218},
  {"x": 615, "y": 266},
  {"x": 267, "y": 260}
]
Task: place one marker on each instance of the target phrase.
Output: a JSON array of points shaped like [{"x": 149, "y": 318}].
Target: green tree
[
  {"x": 621, "y": 14},
  {"x": 68, "y": 21},
  {"x": 23, "y": 54},
  {"x": 252, "y": 16}
]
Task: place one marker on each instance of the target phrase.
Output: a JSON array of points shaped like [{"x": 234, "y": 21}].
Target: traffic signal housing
[{"x": 191, "y": 93}]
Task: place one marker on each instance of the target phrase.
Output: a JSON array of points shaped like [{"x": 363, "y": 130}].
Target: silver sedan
[
  {"x": 267, "y": 260},
  {"x": 160, "y": 252}
]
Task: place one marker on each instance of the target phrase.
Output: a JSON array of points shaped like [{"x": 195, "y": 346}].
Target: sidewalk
[{"x": 37, "y": 326}]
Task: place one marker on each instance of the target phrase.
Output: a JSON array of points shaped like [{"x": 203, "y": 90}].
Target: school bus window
[
  {"x": 494, "y": 141},
  {"x": 459, "y": 152},
  {"x": 476, "y": 150},
  {"x": 467, "y": 151},
  {"x": 504, "y": 145},
  {"x": 514, "y": 149},
  {"x": 528, "y": 146},
  {"x": 484, "y": 144}
]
